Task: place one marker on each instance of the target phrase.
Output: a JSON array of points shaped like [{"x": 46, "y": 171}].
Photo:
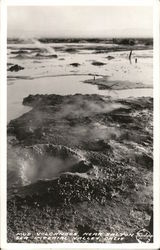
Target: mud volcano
[
  {"x": 44, "y": 162},
  {"x": 84, "y": 160}
]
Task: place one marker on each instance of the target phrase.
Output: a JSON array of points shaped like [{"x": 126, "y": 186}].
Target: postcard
[{"x": 81, "y": 115}]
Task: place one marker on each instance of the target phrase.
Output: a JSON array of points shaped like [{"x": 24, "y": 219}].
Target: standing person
[
  {"x": 135, "y": 60},
  {"x": 130, "y": 54}
]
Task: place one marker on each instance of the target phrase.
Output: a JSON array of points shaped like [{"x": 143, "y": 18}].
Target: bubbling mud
[{"x": 43, "y": 161}]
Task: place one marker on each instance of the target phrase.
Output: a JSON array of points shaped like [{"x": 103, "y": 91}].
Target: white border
[
  {"x": 3, "y": 112},
  {"x": 3, "y": 115},
  {"x": 156, "y": 122},
  {"x": 80, "y": 2}
]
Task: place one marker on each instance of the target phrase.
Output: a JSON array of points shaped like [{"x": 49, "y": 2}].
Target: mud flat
[
  {"x": 106, "y": 83},
  {"x": 83, "y": 165}
]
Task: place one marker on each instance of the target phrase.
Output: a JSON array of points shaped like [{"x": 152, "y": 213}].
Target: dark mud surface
[
  {"x": 84, "y": 165},
  {"x": 106, "y": 83}
]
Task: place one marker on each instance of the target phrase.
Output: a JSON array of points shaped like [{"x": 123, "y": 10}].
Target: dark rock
[
  {"x": 16, "y": 68},
  {"x": 110, "y": 57},
  {"x": 96, "y": 63},
  {"x": 71, "y": 50},
  {"x": 75, "y": 64}
]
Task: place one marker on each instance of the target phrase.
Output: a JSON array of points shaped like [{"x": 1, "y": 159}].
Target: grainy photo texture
[{"x": 80, "y": 125}]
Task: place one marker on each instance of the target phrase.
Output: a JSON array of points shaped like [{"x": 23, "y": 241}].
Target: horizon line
[{"x": 84, "y": 38}]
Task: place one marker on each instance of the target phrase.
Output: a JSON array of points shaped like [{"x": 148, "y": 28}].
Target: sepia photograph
[{"x": 80, "y": 111}]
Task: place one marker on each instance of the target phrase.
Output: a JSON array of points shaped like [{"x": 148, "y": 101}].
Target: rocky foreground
[{"x": 87, "y": 169}]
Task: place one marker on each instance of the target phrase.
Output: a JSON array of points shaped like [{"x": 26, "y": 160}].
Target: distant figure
[
  {"x": 130, "y": 54},
  {"x": 94, "y": 77},
  {"x": 135, "y": 60}
]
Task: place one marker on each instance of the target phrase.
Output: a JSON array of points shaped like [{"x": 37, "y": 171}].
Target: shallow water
[
  {"x": 118, "y": 68},
  {"x": 65, "y": 79},
  {"x": 64, "y": 85}
]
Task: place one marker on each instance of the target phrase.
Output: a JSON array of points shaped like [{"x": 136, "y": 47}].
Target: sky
[{"x": 80, "y": 21}]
